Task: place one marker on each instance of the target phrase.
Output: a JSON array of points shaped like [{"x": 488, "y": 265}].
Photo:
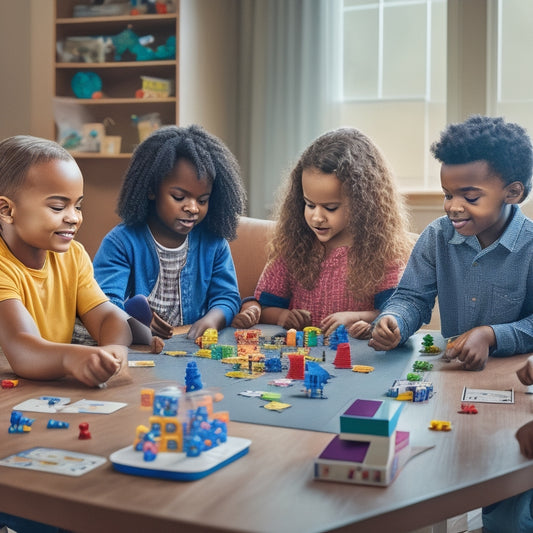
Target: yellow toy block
[
  {"x": 406, "y": 396},
  {"x": 440, "y": 425},
  {"x": 364, "y": 369}
]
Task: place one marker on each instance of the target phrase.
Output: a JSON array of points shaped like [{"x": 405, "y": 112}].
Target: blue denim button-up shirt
[{"x": 475, "y": 286}]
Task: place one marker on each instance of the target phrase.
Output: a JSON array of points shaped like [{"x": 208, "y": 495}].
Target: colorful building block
[{"x": 372, "y": 417}]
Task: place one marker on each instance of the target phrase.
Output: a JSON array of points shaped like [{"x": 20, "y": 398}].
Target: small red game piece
[
  {"x": 84, "y": 431},
  {"x": 468, "y": 409}
]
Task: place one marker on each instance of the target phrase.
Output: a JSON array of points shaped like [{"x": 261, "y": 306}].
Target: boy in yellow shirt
[{"x": 46, "y": 278}]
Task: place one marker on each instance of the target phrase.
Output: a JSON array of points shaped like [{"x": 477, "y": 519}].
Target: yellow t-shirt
[{"x": 53, "y": 295}]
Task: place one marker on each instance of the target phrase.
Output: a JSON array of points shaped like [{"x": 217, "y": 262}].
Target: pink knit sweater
[{"x": 330, "y": 294}]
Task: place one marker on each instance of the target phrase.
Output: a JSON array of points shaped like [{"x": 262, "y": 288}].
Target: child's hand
[
  {"x": 157, "y": 345},
  {"x": 247, "y": 318},
  {"x": 214, "y": 319},
  {"x": 525, "y": 438},
  {"x": 97, "y": 364},
  {"x": 360, "y": 330},
  {"x": 348, "y": 319},
  {"x": 525, "y": 374},
  {"x": 296, "y": 319},
  {"x": 333, "y": 321},
  {"x": 160, "y": 327},
  {"x": 471, "y": 348},
  {"x": 386, "y": 334}
]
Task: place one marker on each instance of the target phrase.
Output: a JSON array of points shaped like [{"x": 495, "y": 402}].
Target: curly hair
[
  {"x": 505, "y": 146},
  {"x": 155, "y": 158},
  {"x": 21, "y": 152},
  {"x": 377, "y": 220}
]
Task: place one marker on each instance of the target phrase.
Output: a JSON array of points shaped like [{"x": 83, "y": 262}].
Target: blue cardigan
[{"x": 127, "y": 264}]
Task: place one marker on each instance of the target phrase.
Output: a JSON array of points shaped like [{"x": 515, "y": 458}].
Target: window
[
  {"x": 394, "y": 81},
  {"x": 512, "y": 82}
]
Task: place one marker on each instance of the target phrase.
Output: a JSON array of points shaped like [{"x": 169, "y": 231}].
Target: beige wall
[
  {"x": 26, "y": 45},
  {"x": 16, "y": 80},
  {"x": 209, "y": 41}
]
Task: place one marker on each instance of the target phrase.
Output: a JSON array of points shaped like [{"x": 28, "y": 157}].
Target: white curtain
[{"x": 290, "y": 57}]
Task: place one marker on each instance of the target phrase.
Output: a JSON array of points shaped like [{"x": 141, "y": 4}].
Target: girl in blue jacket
[{"x": 180, "y": 203}]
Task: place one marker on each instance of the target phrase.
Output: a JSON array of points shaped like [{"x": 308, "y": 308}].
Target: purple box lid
[
  {"x": 345, "y": 450},
  {"x": 355, "y": 450},
  {"x": 366, "y": 408}
]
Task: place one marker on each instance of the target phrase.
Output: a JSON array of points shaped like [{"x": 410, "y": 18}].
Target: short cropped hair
[
  {"x": 505, "y": 146},
  {"x": 21, "y": 152}
]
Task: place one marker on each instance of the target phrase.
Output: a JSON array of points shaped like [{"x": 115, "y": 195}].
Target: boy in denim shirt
[{"x": 478, "y": 259}]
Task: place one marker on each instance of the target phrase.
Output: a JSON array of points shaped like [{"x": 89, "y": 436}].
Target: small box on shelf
[
  {"x": 156, "y": 87},
  {"x": 111, "y": 144}
]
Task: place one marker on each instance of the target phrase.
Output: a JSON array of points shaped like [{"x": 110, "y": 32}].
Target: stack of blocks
[{"x": 369, "y": 450}]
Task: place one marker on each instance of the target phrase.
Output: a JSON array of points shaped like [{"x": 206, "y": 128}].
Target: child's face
[
  {"x": 326, "y": 208},
  {"x": 181, "y": 203},
  {"x": 45, "y": 214},
  {"x": 476, "y": 200}
]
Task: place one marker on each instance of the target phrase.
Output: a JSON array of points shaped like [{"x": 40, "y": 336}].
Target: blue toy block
[
  {"x": 339, "y": 336},
  {"x": 20, "y": 423},
  {"x": 57, "y": 424},
  {"x": 166, "y": 402},
  {"x": 371, "y": 417}
]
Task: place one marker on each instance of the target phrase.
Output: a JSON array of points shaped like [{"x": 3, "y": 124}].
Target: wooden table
[{"x": 271, "y": 488}]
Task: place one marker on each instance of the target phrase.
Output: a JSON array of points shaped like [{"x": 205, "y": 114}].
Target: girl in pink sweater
[{"x": 341, "y": 239}]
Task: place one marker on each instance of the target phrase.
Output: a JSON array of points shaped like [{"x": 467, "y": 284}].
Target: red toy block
[
  {"x": 343, "y": 358},
  {"x": 296, "y": 366}
]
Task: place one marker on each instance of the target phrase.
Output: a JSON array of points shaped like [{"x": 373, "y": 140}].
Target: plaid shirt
[{"x": 165, "y": 298}]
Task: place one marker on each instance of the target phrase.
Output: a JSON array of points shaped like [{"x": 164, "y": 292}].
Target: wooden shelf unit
[{"x": 120, "y": 80}]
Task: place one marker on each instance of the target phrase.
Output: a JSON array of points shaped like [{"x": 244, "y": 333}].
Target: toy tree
[
  {"x": 427, "y": 342},
  {"x": 428, "y": 346}
]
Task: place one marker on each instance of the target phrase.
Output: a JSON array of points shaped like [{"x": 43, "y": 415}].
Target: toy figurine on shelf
[{"x": 127, "y": 41}]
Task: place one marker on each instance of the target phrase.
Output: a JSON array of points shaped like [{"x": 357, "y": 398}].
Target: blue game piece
[
  {"x": 20, "y": 423},
  {"x": 57, "y": 424},
  {"x": 193, "y": 379}
]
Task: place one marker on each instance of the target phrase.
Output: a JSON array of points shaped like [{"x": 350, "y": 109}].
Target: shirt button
[
  {"x": 475, "y": 263},
  {"x": 474, "y": 299}
]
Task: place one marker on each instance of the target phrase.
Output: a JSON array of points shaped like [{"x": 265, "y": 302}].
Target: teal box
[{"x": 371, "y": 417}]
